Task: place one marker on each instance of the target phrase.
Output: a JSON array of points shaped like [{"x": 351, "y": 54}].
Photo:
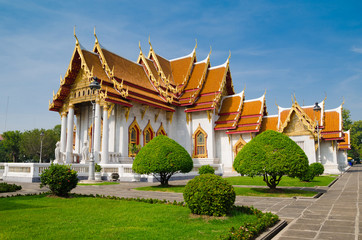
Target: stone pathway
[{"x": 335, "y": 215}]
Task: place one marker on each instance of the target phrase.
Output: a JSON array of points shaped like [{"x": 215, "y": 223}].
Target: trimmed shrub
[
  {"x": 272, "y": 155},
  {"x": 97, "y": 167},
  {"x": 209, "y": 194},
  {"x": 308, "y": 176},
  {"x": 162, "y": 157},
  {"x": 6, "y": 187},
  {"x": 60, "y": 179},
  {"x": 206, "y": 169},
  {"x": 317, "y": 168}
]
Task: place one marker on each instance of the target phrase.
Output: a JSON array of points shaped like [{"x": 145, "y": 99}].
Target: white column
[
  {"x": 77, "y": 134},
  {"x": 63, "y": 132},
  {"x": 105, "y": 141},
  {"x": 69, "y": 150},
  {"x": 97, "y": 132}
]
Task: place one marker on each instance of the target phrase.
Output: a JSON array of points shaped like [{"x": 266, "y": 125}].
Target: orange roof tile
[
  {"x": 249, "y": 120},
  {"x": 243, "y": 129},
  {"x": 166, "y": 68},
  {"x": 331, "y": 122},
  {"x": 92, "y": 60},
  {"x": 230, "y": 104},
  {"x": 127, "y": 70},
  {"x": 345, "y": 144},
  {"x": 269, "y": 123},
  {"x": 196, "y": 75},
  {"x": 251, "y": 108},
  {"x": 180, "y": 69}
]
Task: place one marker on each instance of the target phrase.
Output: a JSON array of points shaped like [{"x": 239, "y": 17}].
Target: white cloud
[{"x": 356, "y": 49}]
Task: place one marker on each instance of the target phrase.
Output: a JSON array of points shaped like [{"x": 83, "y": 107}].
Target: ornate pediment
[{"x": 296, "y": 127}]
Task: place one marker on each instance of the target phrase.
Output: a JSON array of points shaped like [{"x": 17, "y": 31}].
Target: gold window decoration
[
  {"x": 148, "y": 133},
  {"x": 238, "y": 146},
  {"x": 161, "y": 131},
  {"x": 133, "y": 136},
  {"x": 200, "y": 143}
]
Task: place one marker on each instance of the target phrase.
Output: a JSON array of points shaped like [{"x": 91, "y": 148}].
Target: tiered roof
[
  {"x": 152, "y": 80},
  {"x": 237, "y": 115},
  {"x": 346, "y": 143}
]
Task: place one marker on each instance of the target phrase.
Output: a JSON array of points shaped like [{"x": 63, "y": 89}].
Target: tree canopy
[
  {"x": 162, "y": 157},
  {"x": 25, "y": 146},
  {"x": 272, "y": 155}
]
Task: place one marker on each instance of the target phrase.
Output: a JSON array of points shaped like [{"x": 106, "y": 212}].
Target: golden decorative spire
[
  {"x": 76, "y": 39},
  {"x": 195, "y": 44},
  {"x": 276, "y": 103},
  {"x": 342, "y": 102},
  {"x": 149, "y": 41},
  {"x": 95, "y": 35}
]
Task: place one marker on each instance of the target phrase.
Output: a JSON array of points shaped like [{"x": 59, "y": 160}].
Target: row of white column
[{"x": 66, "y": 136}]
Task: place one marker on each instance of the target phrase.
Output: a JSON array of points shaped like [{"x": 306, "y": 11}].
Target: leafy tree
[
  {"x": 162, "y": 157},
  {"x": 31, "y": 141},
  {"x": 11, "y": 145},
  {"x": 347, "y": 121},
  {"x": 272, "y": 155},
  {"x": 3, "y": 155},
  {"x": 356, "y": 140}
]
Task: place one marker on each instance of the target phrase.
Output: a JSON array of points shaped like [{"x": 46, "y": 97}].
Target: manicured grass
[
  {"x": 42, "y": 217},
  {"x": 101, "y": 183},
  {"x": 285, "y": 182},
  {"x": 240, "y": 191}
]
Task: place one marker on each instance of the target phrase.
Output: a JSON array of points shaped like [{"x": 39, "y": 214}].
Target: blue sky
[{"x": 306, "y": 48}]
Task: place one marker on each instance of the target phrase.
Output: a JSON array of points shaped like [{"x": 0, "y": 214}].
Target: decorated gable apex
[{"x": 329, "y": 121}]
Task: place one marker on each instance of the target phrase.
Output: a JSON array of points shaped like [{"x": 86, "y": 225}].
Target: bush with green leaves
[
  {"x": 206, "y": 169},
  {"x": 209, "y": 194},
  {"x": 97, "y": 167},
  {"x": 315, "y": 169},
  {"x": 162, "y": 157},
  {"x": 60, "y": 179},
  {"x": 6, "y": 187},
  {"x": 272, "y": 155}
]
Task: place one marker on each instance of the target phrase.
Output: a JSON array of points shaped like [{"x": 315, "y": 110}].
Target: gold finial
[
  {"x": 76, "y": 39},
  {"x": 295, "y": 99},
  {"x": 325, "y": 93},
  {"x": 95, "y": 35},
  {"x": 149, "y": 41},
  {"x": 244, "y": 87},
  {"x": 276, "y": 102},
  {"x": 229, "y": 55},
  {"x": 210, "y": 51},
  {"x": 265, "y": 92},
  {"x": 196, "y": 43},
  {"x": 342, "y": 102},
  {"x": 292, "y": 98}
]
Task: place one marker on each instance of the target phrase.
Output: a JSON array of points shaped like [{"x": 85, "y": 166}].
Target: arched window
[
  {"x": 161, "y": 131},
  {"x": 148, "y": 133},
  {"x": 238, "y": 146},
  {"x": 133, "y": 136},
  {"x": 200, "y": 143}
]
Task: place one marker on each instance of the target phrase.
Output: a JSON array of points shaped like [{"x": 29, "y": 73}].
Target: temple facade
[{"x": 188, "y": 100}]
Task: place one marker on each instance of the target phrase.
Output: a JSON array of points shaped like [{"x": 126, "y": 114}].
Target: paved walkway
[{"x": 335, "y": 215}]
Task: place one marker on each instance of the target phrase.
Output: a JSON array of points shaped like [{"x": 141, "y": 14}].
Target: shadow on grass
[{"x": 7, "y": 204}]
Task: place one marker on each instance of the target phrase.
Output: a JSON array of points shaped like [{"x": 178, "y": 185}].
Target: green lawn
[
  {"x": 285, "y": 182},
  {"x": 41, "y": 217},
  {"x": 240, "y": 191}
]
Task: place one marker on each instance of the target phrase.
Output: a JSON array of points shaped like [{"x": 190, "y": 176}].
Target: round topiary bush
[
  {"x": 317, "y": 168},
  {"x": 209, "y": 194},
  {"x": 206, "y": 169},
  {"x": 162, "y": 157},
  {"x": 60, "y": 179},
  {"x": 308, "y": 176}
]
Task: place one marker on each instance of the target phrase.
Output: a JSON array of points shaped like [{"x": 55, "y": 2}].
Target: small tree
[
  {"x": 60, "y": 179},
  {"x": 162, "y": 157},
  {"x": 272, "y": 155}
]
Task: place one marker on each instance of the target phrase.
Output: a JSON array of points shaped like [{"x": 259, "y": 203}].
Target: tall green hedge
[
  {"x": 162, "y": 157},
  {"x": 272, "y": 155}
]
